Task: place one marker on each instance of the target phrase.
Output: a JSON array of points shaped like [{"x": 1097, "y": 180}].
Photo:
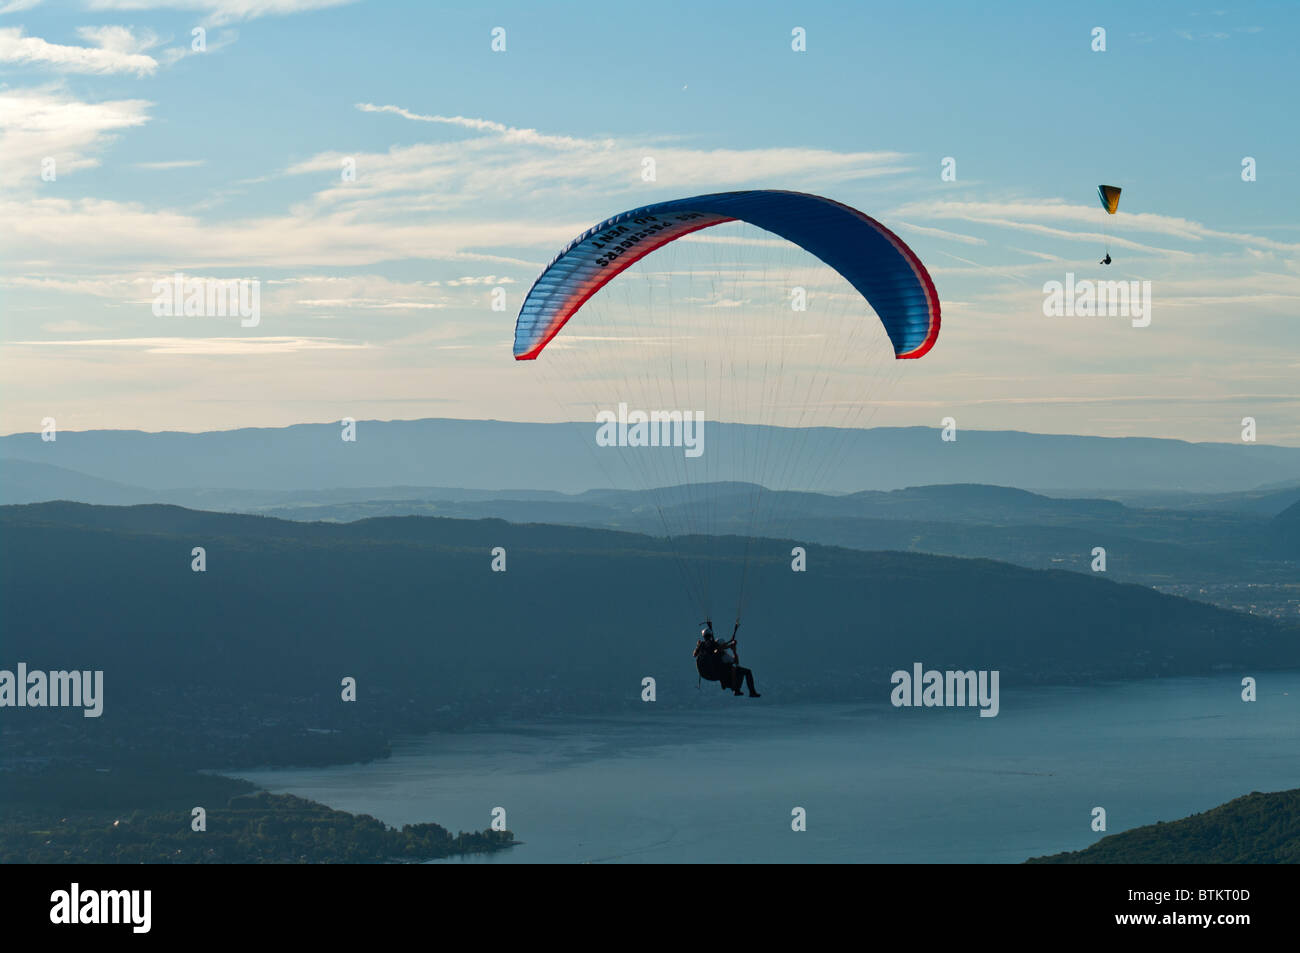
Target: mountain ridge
[{"x": 490, "y": 455}]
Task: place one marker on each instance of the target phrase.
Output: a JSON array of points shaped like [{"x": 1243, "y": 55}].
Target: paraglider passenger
[
  {"x": 1106, "y": 260},
  {"x": 716, "y": 661},
  {"x": 708, "y": 657}
]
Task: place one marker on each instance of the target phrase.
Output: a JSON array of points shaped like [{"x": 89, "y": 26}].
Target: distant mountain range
[
  {"x": 497, "y": 455},
  {"x": 1239, "y": 550}
]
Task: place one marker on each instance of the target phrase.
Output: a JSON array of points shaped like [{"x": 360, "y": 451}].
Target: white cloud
[
  {"x": 299, "y": 295},
  {"x": 369, "y": 304},
  {"x": 112, "y": 233},
  {"x": 1029, "y": 216},
  {"x": 509, "y": 133},
  {"x": 204, "y": 346},
  {"x": 70, "y": 327},
  {"x": 223, "y": 11},
  {"x": 173, "y": 164},
  {"x": 439, "y": 201},
  {"x": 940, "y": 233},
  {"x": 115, "y": 49},
  {"x": 475, "y": 280},
  {"x": 37, "y": 123},
  {"x": 523, "y": 172}
]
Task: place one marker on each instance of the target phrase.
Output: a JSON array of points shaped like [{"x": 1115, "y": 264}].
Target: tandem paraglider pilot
[{"x": 717, "y": 662}]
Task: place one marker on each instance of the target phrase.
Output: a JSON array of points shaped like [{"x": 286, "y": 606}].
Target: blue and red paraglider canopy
[{"x": 871, "y": 257}]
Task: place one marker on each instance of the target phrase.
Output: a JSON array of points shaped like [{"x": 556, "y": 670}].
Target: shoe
[
  {"x": 755, "y": 695},
  {"x": 737, "y": 693}
]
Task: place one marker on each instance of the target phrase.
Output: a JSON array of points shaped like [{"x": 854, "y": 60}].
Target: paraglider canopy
[
  {"x": 873, "y": 259},
  {"x": 1109, "y": 195}
]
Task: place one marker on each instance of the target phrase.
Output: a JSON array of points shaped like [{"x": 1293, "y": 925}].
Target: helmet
[{"x": 706, "y": 633}]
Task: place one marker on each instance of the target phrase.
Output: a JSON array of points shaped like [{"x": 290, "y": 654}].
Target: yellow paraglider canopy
[{"x": 1109, "y": 195}]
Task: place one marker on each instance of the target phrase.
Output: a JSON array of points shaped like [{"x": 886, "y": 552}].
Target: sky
[{"x": 128, "y": 156}]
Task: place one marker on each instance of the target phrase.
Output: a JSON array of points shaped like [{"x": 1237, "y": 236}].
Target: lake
[{"x": 878, "y": 784}]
